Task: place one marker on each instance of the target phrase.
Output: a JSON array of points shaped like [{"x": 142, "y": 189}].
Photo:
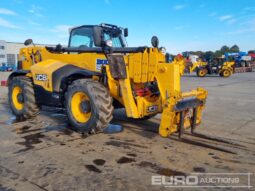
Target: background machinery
[
  {"x": 192, "y": 62},
  {"x": 97, "y": 73},
  {"x": 241, "y": 59},
  {"x": 215, "y": 66},
  {"x": 6, "y": 68}
]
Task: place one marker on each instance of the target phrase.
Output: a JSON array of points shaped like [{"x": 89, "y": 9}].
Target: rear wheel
[
  {"x": 22, "y": 98},
  {"x": 89, "y": 106},
  {"x": 225, "y": 73},
  {"x": 201, "y": 72}
]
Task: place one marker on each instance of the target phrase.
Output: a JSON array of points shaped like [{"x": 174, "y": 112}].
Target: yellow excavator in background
[{"x": 96, "y": 73}]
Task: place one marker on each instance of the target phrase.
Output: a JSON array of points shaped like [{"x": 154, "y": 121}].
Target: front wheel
[
  {"x": 89, "y": 106},
  {"x": 22, "y": 97}
]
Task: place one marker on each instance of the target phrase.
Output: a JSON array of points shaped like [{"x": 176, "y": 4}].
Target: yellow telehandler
[{"x": 96, "y": 73}]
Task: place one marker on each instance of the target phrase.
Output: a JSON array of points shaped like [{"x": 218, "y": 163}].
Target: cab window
[
  {"x": 82, "y": 37},
  {"x": 116, "y": 41}
]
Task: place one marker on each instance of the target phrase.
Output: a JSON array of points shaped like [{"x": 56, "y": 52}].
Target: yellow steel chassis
[{"x": 147, "y": 66}]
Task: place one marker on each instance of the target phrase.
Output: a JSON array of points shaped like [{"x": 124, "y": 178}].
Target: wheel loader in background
[
  {"x": 215, "y": 66},
  {"x": 191, "y": 67},
  {"x": 96, "y": 73}
]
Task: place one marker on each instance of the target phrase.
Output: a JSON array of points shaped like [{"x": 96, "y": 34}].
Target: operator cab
[
  {"x": 92, "y": 36},
  {"x": 217, "y": 62},
  {"x": 103, "y": 38}
]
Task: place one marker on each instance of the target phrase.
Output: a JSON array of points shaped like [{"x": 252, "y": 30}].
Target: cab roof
[{"x": 100, "y": 25}]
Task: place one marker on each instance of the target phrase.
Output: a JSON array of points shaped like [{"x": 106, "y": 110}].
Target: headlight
[
  {"x": 108, "y": 43},
  {"x": 163, "y": 50}
]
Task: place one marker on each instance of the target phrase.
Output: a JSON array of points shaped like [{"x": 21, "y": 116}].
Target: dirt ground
[{"x": 43, "y": 154}]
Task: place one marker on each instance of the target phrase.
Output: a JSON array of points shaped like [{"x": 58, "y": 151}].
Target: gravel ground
[{"x": 43, "y": 154}]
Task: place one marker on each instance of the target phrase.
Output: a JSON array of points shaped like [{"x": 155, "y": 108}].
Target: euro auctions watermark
[{"x": 205, "y": 180}]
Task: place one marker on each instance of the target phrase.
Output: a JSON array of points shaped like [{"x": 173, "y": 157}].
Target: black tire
[
  {"x": 100, "y": 103},
  {"x": 30, "y": 108}
]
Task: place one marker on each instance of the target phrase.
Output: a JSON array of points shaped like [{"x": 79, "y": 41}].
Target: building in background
[{"x": 9, "y": 52}]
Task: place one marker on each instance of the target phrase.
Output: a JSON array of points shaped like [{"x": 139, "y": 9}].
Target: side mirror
[
  {"x": 28, "y": 42},
  {"x": 125, "y": 32},
  {"x": 98, "y": 36},
  {"x": 154, "y": 41}
]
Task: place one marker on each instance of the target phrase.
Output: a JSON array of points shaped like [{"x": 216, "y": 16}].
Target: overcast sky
[{"x": 180, "y": 24}]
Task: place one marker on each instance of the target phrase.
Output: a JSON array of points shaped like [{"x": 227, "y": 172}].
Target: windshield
[{"x": 83, "y": 37}]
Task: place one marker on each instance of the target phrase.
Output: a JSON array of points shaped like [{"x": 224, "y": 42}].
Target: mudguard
[
  {"x": 17, "y": 73},
  {"x": 60, "y": 76}
]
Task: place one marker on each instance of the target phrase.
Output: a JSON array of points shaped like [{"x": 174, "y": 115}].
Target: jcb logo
[{"x": 40, "y": 77}]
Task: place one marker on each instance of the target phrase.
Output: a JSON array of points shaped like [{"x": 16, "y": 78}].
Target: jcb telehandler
[{"x": 96, "y": 73}]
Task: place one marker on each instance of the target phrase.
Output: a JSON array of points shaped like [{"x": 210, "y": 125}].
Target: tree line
[{"x": 207, "y": 55}]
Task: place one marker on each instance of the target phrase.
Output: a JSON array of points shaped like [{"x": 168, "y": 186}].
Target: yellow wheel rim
[
  {"x": 15, "y": 93},
  {"x": 201, "y": 73},
  {"x": 77, "y": 99},
  {"x": 226, "y": 73}
]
